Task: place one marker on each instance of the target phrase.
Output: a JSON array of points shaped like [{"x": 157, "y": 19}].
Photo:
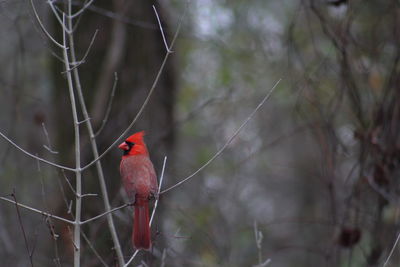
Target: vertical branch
[
  {"x": 159, "y": 189},
  {"x": 93, "y": 143},
  {"x": 78, "y": 171}
]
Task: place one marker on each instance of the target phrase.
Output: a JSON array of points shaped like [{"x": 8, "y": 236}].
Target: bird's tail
[{"x": 141, "y": 229}]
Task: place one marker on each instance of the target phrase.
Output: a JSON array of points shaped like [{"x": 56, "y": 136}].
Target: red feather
[{"x": 140, "y": 183}]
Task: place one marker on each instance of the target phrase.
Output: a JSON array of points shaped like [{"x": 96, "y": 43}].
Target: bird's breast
[{"x": 137, "y": 175}]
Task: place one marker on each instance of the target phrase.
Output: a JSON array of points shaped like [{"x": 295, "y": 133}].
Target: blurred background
[{"x": 312, "y": 180}]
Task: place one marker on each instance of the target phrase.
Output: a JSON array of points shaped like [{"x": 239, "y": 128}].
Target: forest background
[{"x": 311, "y": 179}]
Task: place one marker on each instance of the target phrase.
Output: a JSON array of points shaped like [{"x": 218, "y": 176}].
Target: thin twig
[
  {"x": 392, "y": 250},
  {"x": 83, "y": 121},
  {"x": 55, "y": 236},
  {"x": 78, "y": 19},
  {"x": 34, "y": 156},
  {"x": 159, "y": 189},
  {"x": 161, "y": 29},
  {"x": 68, "y": 182},
  {"x": 54, "y": 9},
  {"x": 131, "y": 259},
  {"x": 222, "y": 149},
  {"x": 22, "y": 227},
  {"x": 265, "y": 263},
  {"x": 109, "y": 106},
  {"x": 83, "y": 60},
  {"x": 89, "y": 47},
  {"x": 37, "y": 211},
  {"x": 46, "y": 134},
  {"x": 105, "y": 213},
  {"x": 145, "y": 101},
  {"x": 42, "y": 26},
  {"x": 81, "y": 10}
]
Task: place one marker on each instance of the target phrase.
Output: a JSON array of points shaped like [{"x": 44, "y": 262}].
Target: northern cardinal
[{"x": 140, "y": 183}]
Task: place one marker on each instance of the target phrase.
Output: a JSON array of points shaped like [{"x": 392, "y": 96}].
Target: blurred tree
[{"x": 316, "y": 169}]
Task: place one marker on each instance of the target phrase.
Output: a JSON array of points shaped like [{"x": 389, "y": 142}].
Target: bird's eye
[{"x": 130, "y": 144}]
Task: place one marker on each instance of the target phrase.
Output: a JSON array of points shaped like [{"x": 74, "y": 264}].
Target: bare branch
[
  {"x": 85, "y": 120},
  {"x": 161, "y": 29},
  {"x": 392, "y": 250},
  {"x": 48, "y": 146},
  {"x": 81, "y": 10},
  {"x": 132, "y": 257},
  {"x": 34, "y": 156},
  {"x": 37, "y": 211},
  {"x": 103, "y": 186},
  {"x": 54, "y": 54},
  {"x": 105, "y": 213},
  {"x": 78, "y": 172},
  {"x": 263, "y": 264},
  {"x": 83, "y": 60},
  {"x": 43, "y": 28},
  {"x": 222, "y": 149},
  {"x": 68, "y": 182},
  {"x": 159, "y": 189},
  {"x": 54, "y": 9},
  {"x": 88, "y": 49},
  {"x": 53, "y": 233},
  {"x": 103, "y": 123}
]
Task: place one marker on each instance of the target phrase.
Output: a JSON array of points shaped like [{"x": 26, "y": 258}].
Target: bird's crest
[{"x": 136, "y": 138}]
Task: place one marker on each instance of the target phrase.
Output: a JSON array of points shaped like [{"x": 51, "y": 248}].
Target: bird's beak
[{"x": 124, "y": 146}]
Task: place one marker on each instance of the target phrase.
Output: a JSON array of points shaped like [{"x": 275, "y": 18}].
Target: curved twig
[
  {"x": 34, "y": 156},
  {"x": 46, "y": 214},
  {"x": 43, "y": 28},
  {"x": 219, "y": 152},
  {"x": 104, "y": 213},
  {"x": 81, "y": 10},
  {"x": 161, "y": 29}
]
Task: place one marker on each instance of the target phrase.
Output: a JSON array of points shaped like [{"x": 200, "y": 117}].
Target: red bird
[{"x": 140, "y": 183}]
